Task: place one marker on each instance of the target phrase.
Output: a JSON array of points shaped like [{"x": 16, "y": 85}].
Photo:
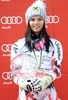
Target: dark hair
[{"x": 43, "y": 32}]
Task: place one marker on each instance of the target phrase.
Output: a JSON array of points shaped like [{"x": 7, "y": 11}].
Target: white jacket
[{"x": 50, "y": 62}]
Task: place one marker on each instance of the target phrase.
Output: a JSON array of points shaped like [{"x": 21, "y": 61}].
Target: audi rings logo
[
  {"x": 7, "y": 75},
  {"x": 11, "y": 20},
  {"x": 52, "y": 19},
  {"x": 6, "y": 47}
]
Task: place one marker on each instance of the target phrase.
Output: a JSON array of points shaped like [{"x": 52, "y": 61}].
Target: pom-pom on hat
[{"x": 37, "y": 8}]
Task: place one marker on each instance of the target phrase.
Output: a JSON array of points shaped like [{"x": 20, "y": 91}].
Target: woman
[{"x": 47, "y": 52}]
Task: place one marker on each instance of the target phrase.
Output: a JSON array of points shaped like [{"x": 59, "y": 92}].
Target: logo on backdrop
[
  {"x": 52, "y": 19},
  {"x": 7, "y": 77},
  {"x": 10, "y": 20},
  {"x": 6, "y": 49}
]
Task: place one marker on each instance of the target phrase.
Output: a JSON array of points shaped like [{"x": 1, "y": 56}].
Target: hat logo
[{"x": 35, "y": 9}]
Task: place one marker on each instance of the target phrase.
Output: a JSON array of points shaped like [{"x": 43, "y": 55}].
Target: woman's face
[{"x": 36, "y": 24}]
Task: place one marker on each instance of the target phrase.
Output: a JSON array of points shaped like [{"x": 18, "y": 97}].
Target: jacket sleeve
[
  {"x": 16, "y": 70},
  {"x": 57, "y": 57}
]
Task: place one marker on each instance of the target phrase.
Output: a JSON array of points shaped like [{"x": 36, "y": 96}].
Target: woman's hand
[{"x": 36, "y": 84}]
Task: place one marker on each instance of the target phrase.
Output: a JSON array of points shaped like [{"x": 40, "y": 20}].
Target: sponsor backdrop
[{"x": 12, "y": 28}]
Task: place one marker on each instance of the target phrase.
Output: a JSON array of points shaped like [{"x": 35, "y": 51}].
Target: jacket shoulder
[{"x": 19, "y": 44}]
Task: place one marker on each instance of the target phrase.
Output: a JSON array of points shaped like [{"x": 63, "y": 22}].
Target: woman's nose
[{"x": 36, "y": 22}]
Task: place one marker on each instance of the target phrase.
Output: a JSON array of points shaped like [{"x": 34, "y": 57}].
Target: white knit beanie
[{"x": 37, "y": 8}]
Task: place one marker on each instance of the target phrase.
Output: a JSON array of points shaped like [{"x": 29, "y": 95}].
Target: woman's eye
[
  {"x": 32, "y": 20},
  {"x": 39, "y": 19}
]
